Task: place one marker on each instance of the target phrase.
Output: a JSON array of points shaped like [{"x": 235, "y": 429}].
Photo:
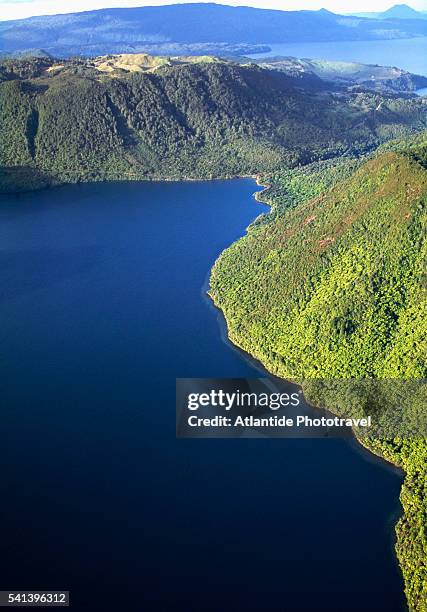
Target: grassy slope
[
  {"x": 336, "y": 288},
  {"x": 203, "y": 120}
]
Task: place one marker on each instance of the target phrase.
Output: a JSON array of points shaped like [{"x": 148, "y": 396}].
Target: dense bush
[
  {"x": 335, "y": 288},
  {"x": 195, "y": 120}
]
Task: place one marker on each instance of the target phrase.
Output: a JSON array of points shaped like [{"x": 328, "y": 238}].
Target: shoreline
[
  {"x": 128, "y": 178},
  {"x": 258, "y": 196},
  {"x": 359, "y": 445},
  {"x": 258, "y": 363}
]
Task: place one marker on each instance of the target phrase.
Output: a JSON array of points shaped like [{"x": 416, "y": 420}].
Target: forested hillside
[
  {"x": 314, "y": 276},
  {"x": 83, "y": 120},
  {"x": 332, "y": 286}
]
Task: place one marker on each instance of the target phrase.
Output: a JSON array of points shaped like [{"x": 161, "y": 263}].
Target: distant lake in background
[{"x": 407, "y": 53}]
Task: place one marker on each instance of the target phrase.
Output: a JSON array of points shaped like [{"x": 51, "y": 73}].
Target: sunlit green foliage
[
  {"x": 335, "y": 288},
  {"x": 342, "y": 274}
]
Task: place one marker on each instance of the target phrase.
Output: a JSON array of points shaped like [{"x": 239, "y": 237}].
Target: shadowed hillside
[{"x": 111, "y": 119}]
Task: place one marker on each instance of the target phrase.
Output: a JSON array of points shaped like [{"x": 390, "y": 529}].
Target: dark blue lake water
[{"x": 101, "y": 308}]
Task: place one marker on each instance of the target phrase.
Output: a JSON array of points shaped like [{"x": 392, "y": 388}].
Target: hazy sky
[{"x": 15, "y": 9}]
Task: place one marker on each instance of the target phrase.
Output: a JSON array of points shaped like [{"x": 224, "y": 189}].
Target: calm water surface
[
  {"x": 102, "y": 307},
  {"x": 409, "y": 54}
]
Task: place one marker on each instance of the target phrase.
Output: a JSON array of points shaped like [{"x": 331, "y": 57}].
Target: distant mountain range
[
  {"x": 398, "y": 11},
  {"x": 192, "y": 28}
]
